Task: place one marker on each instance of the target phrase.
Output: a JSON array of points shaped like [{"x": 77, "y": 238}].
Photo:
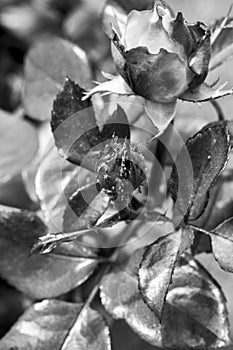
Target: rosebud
[
  {"x": 160, "y": 57},
  {"x": 120, "y": 169}
]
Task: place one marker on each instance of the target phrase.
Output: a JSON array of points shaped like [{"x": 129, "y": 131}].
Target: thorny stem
[{"x": 218, "y": 109}]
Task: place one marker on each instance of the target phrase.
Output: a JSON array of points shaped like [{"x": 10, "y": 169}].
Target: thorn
[{"x": 214, "y": 83}]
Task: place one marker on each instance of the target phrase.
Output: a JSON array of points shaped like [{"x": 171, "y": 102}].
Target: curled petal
[
  {"x": 150, "y": 29},
  {"x": 206, "y": 93},
  {"x": 114, "y": 18},
  {"x": 161, "y": 114},
  {"x": 199, "y": 61},
  {"x": 198, "y": 31},
  {"x": 181, "y": 34},
  {"x": 137, "y": 25},
  {"x": 160, "y": 78}
]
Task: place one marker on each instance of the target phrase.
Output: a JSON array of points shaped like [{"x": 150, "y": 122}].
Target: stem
[
  {"x": 208, "y": 232},
  {"x": 157, "y": 173},
  {"x": 78, "y": 258},
  {"x": 218, "y": 109},
  {"x": 218, "y": 30}
]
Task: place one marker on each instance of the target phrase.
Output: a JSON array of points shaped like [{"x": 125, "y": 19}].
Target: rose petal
[
  {"x": 160, "y": 78},
  {"x": 198, "y": 31},
  {"x": 114, "y": 17},
  {"x": 199, "y": 61},
  {"x": 161, "y": 114},
  {"x": 182, "y": 34},
  {"x": 137, "y": 25},
  {"x": 205, "y": 93},
  {"x": 153, "y": 24}
]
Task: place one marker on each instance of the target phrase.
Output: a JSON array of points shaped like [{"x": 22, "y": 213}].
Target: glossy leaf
[
  {"x": 18, "y": 145},
  {"x": 121, "y": 298},
  {"x": 222, "y": 244},
  {"x": 222, "y": 48},
  {"x": 157, "y": 266},
  {"x": 197, "y": 166},
  {"x": 37, "y": 276},
  {"x": 58, "y": 325},
  {"x": 74, "y": 125},
  {"x": 195, "y": 315},
  {"x": 220, "y": 206},
  {"x": 46, "y": 67}
]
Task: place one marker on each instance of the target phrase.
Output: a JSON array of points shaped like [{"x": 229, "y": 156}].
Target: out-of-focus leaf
[
  {"x": 195, "y": 315},
  {"x": 12, "y": 305},
  {"x": 18, "y": 145},
  {"x": 197, "y": 167},
  {"x": 56, "y": 181},
  {"x": 76, "y": 25},
  {"x": 27, "y": 23},
  {"x": 56, "y": 325},
  {"x": 121, "y": 298},
  {"x": 75, "y": 128},
  {"x": 124, "y": 338},
  {"x": 37, "y": 276},
  {"x": 206, "y": 93},
  {"x": 222, "y": 244},
  {"x": 46, "y": 67},
  {"x": 157, "y": 266},
  {"x": 222, "y": 48}
]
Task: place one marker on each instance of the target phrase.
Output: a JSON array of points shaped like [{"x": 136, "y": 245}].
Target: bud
[
  {"x": 161, "y": 57},
  {"x": 120, "y": 169}
]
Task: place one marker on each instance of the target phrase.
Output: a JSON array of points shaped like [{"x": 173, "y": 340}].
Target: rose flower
[{"x": 160, "y": 57}]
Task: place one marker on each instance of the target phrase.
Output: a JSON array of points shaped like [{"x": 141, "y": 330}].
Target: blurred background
[{"x": 25, "y": 23}]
